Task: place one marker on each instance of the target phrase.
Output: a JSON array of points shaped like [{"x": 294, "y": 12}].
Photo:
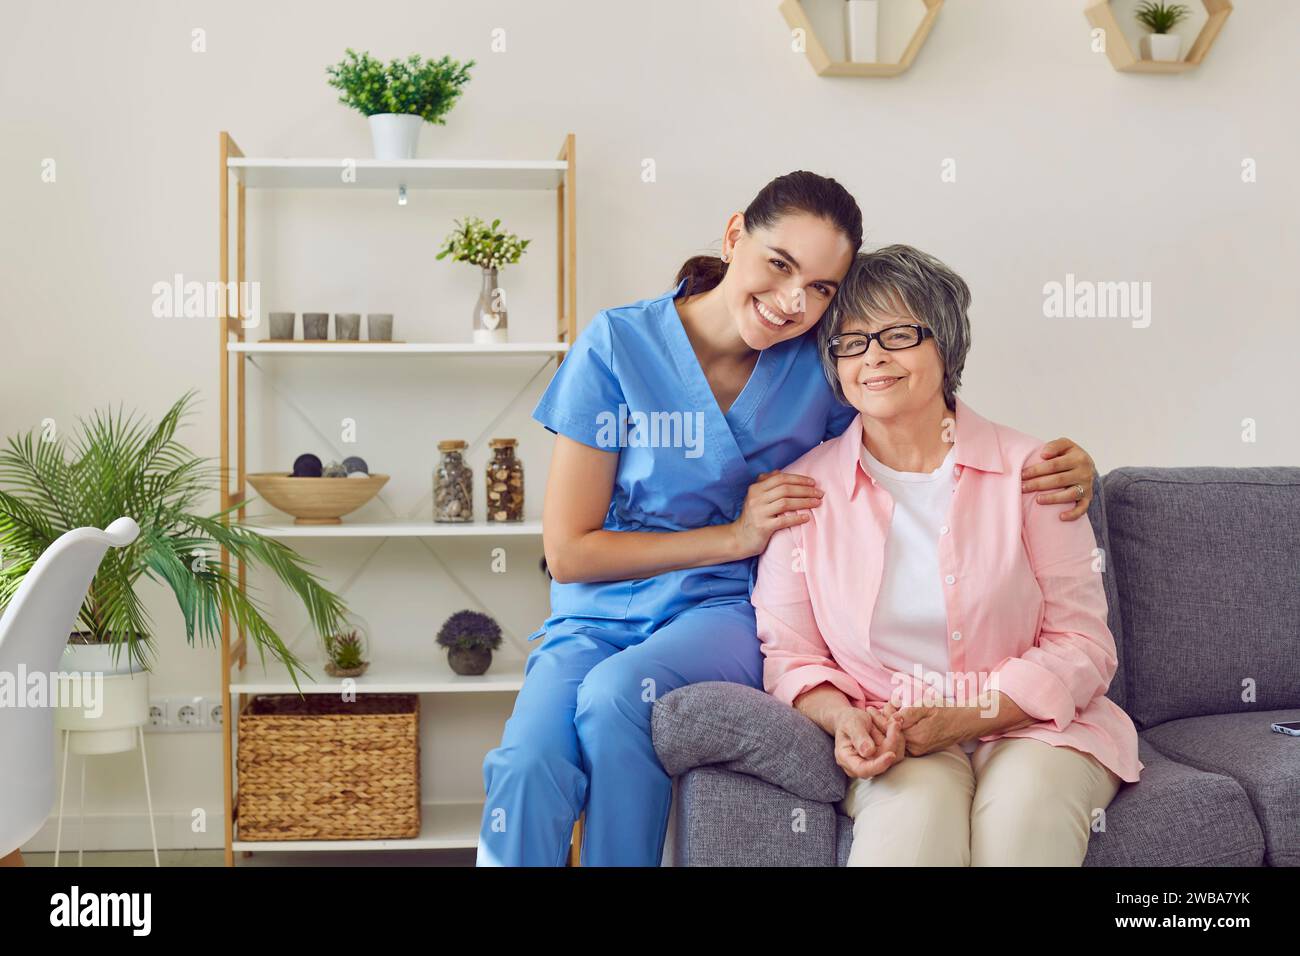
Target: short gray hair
[{"x": 879, "y": 283}]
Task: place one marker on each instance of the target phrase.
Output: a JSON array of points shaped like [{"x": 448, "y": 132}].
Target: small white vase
[
  {"x": 861, "y": 19},
  {"x": 395, "y": 135},
  {"x": 490, "y": 316},
  {"x": 1162, "y": 47}
]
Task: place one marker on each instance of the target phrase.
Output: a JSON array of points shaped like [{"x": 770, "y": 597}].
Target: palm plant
[{"x": 120, "y": 466}]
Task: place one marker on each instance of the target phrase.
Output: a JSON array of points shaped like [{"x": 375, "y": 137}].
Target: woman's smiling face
[
  {"x": 781, "y": 279},
  {"x": 883, "y": 383}
]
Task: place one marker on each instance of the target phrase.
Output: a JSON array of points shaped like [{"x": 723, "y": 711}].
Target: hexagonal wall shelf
[
  {"x": 797, "y": 17},
  {"x": 1102, "y": 14}
]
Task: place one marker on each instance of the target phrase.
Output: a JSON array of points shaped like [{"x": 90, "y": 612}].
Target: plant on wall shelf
[
  {"x": 345, "y": 654},
  {"x": 398, "y": 96},
  {"x": 1160, "y": 18},
  {"x": 475, "y": 242},
  {"x": 119, "y": 466},
  {"x": 487, "y": 247},
  {"x": 470, "y": 638}
]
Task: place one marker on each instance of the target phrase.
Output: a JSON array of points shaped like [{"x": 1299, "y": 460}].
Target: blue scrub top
[{"x": 631, "y": 383}]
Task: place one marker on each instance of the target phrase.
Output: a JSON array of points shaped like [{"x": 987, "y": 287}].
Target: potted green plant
[
  {"x": 1160, "y": 18},
  {"x": 489, "y": 248},
  {"x": 345, "y": 654},
  {"x": 470, "y": 638},
  {"x": 398, "y": 97},
  {"x": 117, "y": 465}
]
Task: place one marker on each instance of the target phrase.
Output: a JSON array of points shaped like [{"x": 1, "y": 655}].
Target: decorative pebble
[
  {"x": 357, "y": 474},
  {"x": 353, "y": 464},
  {"x": 335, "y": 470},
  {"x": 306, "y": 466}
]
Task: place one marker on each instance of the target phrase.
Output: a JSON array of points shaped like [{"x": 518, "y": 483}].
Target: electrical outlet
[
  {"x": 213, "y": 714},
  {"x": 189, "y": 714},
  {"x": 159, "y": 714}
]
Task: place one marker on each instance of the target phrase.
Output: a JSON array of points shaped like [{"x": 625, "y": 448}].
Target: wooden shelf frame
[
  {"x": 825, "y": 65},
  {"x": 1101, "y": 14},
  {"x": 246, "y": 173}
]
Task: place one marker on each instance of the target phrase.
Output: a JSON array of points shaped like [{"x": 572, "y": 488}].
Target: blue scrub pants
[{"x": 579, "y": 736}]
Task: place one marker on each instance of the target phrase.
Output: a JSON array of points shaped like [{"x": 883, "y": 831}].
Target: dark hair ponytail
[{"x": 797, "y": 192}]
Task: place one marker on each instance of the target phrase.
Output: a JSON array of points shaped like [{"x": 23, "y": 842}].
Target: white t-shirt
[{"x": 909, "y": 625}]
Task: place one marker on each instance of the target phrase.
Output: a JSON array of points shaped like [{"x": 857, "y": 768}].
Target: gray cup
[
  {"x": 282, "y": 325},
  {"x": 347, "y": 326},
  {"x": 379, "y": 326},
  {"x": 315, "y": 325}
]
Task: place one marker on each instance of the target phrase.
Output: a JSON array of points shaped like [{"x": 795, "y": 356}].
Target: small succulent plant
[
  {"x": 470, "y": 629},
  {"x": 345, "y": 650}
]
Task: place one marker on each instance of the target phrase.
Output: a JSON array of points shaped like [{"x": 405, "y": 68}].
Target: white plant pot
[
  {"x": 395, "y": 135},
  {"x": 97, "y": 658},
  {"x": 1162, "y": 47},
  {"x": 106, "y": 722},
  {"x": 861, "y": 21}
]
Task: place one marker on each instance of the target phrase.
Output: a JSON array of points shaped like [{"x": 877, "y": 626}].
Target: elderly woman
[{"x": 949, "y": 634}]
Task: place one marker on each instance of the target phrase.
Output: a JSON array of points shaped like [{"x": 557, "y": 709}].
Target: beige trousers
[{"x": 1015, "y": 801}]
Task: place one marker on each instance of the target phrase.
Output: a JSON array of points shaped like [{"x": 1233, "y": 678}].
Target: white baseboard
[{"x": 128, "y": 831}]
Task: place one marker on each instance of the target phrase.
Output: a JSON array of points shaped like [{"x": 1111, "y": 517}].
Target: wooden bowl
[{"x": 316, "y": 500}]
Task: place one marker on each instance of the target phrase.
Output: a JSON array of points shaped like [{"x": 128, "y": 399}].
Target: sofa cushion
[
  {"x": 1267, "y": 765},
  {"x": 1177, "y": 815},
  {"x": 733, "y": 819},
  {"x": 1205, "y": 561},
  {"x": 1101, "y": 531},
  {"x": 740, "y": 728}
]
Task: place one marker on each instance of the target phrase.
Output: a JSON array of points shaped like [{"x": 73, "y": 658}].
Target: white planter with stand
[
  {"x": 395, "y": 135},
  {"x": 1162, "y": 47},
  {"x": 109, "y": 722}
]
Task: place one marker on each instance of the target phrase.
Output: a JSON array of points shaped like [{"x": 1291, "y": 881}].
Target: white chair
[{"x": 33, "y": 634}]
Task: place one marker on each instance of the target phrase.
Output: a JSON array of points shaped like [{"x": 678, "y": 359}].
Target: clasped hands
[{"x": 869, "y": 741}]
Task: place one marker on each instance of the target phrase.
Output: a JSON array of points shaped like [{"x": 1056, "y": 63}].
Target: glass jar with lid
[
  {"x": 453, "y": 484},
  {"x": 505, "y": 482}
]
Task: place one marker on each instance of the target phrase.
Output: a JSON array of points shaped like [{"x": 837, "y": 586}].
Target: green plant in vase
[
  {"x": 118, "y": 465},
  {"x": 490, "y": 248},
  {"x": 1160, "y": 18},
  {"x": 345, "y": 655},
  {"x": 470, "y": 638},
  {"x": 398, "y": 96}
]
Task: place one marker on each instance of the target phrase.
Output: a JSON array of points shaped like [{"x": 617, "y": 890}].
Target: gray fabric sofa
[{"x": 1203, "y": 580}]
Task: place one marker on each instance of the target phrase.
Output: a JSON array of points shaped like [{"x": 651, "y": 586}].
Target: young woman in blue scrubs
[{"x": 673, "y": 418}]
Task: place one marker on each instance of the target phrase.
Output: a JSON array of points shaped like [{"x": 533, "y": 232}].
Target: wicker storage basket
[{"x": 321, "y": 768}]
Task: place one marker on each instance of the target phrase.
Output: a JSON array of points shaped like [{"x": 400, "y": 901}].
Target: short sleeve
[{"x": 584, "y": 395}]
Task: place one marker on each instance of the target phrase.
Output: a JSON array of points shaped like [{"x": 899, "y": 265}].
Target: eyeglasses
[{"x": 893, "y": 338}]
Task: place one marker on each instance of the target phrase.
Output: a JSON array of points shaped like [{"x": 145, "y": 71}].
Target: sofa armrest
[{"x": 739, "y": 728}]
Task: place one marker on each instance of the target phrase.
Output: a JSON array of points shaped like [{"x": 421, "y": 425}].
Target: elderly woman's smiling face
[{"x": 884, "y": 383}]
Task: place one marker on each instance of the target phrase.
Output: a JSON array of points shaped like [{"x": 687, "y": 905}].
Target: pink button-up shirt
[{"x": 1026, "y": 607}]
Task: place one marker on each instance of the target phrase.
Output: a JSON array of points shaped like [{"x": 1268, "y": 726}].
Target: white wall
[{"x": 1063, "y": 166}]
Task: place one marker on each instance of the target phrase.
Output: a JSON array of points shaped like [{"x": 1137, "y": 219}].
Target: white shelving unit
[
  {"x": 278, "y": 526},
  {"x": 398, "y": 348},
  {"x": 444, "y": 825},
  {"x": 425, "y": 675},
  {"x": 393, "y": 174}
]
